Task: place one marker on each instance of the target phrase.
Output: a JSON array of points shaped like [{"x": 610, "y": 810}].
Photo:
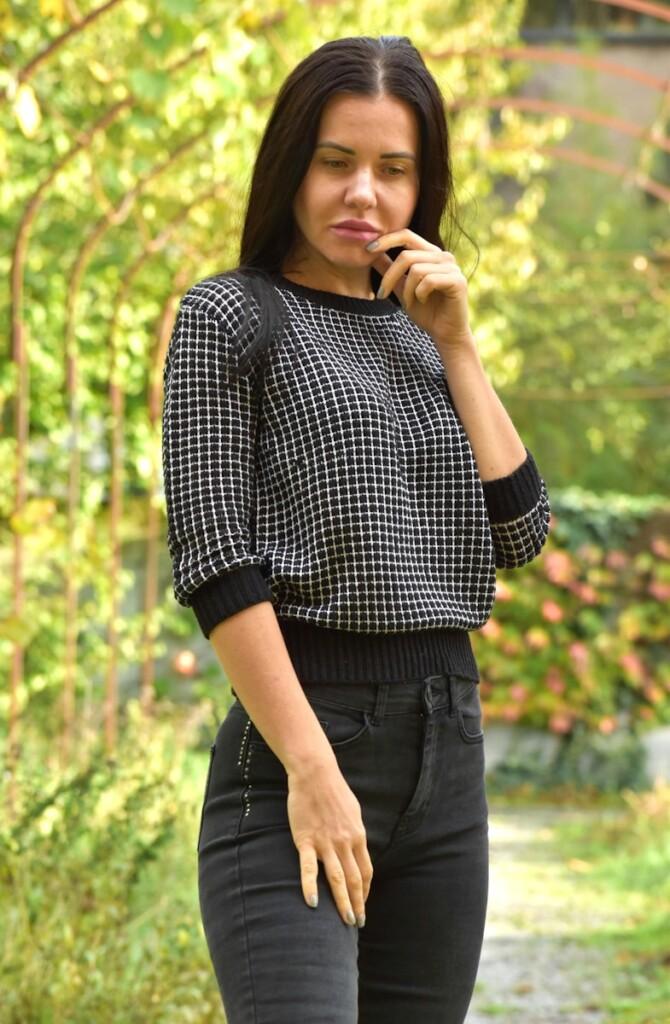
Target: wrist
[
  {"x": 306, "y": 765},
  {"x": 463, "y": 350}
]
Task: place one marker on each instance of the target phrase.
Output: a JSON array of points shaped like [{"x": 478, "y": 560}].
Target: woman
[{"x": 341, "y": 482}]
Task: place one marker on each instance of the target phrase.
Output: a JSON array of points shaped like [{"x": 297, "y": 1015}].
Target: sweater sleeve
[
  {"x": 519, "y": 513},
  {"x": 208, "y": 425}
]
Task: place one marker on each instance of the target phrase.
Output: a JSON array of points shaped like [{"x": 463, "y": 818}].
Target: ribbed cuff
[
  {"x": 224, "y": 595},
  {"x": 512, "y": 496}
]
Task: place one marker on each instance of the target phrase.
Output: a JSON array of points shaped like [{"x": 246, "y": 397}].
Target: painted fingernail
[
  {"x": 372, "y": 245},
  {"x": 360, "y": 920},
  {"x": 350, "y": 917},
  {"x": 380, "y": 293}
]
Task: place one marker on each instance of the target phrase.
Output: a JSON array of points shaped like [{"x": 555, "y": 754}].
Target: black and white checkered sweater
[{"x": 356, "y": 509}]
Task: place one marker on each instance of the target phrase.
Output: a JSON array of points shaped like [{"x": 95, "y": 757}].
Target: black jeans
[{"x": 413, "y": 754}]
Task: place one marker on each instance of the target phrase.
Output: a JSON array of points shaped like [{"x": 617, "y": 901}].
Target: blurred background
[{"x": 128, "y": 131}]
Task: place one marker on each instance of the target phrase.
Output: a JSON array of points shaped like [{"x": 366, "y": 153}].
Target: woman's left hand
[{"x": 429, "y": 283}]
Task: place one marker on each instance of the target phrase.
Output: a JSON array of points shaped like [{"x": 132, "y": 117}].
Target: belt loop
[
  {"x": 380, "y": 704},
  {"x": 426, "y": 692}
]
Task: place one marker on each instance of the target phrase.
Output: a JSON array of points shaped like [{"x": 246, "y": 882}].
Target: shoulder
[{"x": 225, "y": 297}]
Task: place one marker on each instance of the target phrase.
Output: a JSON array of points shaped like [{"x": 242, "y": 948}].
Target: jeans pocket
[
  {"x": 468, "y": 710},
  {"x": 212, "y": 752},
  {"x": 258, "y": 761},
  {"x": 344, "y": 726}
]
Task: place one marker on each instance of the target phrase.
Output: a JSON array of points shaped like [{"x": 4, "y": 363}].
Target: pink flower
[
  {"x": 551, "y": 611},
  {"x": 503, "y": 592},
  {"x": 559, "y": 567},
  {"x": 607, "y": 724},
  {"x": 586, "y": 593},
  {"x": 660, "y": 547},
  {"x": 512, "y": 712},
  {"x": 491, "y": 628},
  {"x": 185, "y": 663},
  {"x": 616, "y": 559},
  {"x": 653, "y": 693},
  {"x": 579, "y": 653},
  {"x": 518, "y": 691},
  {"x": 631, "y": 663},
  {"x": 661, "y": 591},
  {"x": 560, "y": 722},
  {"x": 554, "y": 680}
]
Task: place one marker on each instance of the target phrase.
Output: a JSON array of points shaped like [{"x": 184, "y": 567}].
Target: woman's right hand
[{"x": 326, "y": 824}]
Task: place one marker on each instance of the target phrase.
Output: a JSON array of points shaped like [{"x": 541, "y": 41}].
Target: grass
[{"x": 618, "y": 857}]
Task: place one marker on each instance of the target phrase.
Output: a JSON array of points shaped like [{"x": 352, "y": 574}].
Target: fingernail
[
  {"x": 350, "y": 917},
  {"x": 380, "y": 293},
  {"x": 372, "y": 245},
  {"x": 313, "y": 900},
  {"x": 360, "y": 921}
]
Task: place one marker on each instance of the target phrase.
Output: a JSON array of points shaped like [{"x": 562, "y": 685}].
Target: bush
[{"x": 580, "y": 637}]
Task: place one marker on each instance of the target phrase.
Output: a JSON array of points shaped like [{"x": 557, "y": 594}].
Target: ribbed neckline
[{"x": 332, "y": 300}]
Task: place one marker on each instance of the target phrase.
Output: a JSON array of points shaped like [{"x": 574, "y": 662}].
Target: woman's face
[{"x": 362, "y": 183}]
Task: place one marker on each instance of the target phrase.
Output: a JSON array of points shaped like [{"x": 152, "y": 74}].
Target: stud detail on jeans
[
  {"x": 244, "y": 740},
  {"x": 246, "y": 763}
]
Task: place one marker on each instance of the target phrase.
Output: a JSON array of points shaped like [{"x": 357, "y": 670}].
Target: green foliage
[
  {"x": 622, "y": 860},
  {"x": 580, "y": 637},
  {"x": 601, "y": 764},
  {"x": 610, "y": 520},
  {"x": 98, "y": 897}
]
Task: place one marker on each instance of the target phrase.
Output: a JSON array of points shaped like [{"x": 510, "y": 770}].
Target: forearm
[
  {"x": 252, "y": 651},
  {"x": 496, "y": 445}
]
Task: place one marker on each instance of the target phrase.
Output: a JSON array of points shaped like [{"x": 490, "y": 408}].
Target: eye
[{"x": 400, "y": 170}]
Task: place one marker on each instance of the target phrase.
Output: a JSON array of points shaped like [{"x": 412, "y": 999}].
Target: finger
[
  {"x": 382, "y": 263},
  {"x": 432, "y": 282},
  {"x": 339, "y": 885},
  {"x": 403, "y": 236},
  {"x": 309, "y": 870},
  {"x": 355, "y": 884},
  {"x": 423, "y": 278},
  {"x": 399, "y": 270},
  {"x": 362, "y": 855}
]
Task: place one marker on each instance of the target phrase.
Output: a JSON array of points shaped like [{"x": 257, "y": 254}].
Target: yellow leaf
[
  {"x": 53, "y": 9},
  {"x": 575, "y": 864},
  {"x": 100, "y": 72},
  {"x": 27, "y": 111}
]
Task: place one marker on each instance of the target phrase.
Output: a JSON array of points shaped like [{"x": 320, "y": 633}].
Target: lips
[
  {"x": 357, "y": 234},
  {"x": 356, "y": 225}
]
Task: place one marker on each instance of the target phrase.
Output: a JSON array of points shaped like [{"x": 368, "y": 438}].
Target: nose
[{"x": 361, "y": 189}]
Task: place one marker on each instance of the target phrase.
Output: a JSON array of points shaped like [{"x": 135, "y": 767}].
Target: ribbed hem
[
  {"x": 224, "y": 595},
  {"x": 322, "y": 655},
  {"x": 512, "y": 496}
]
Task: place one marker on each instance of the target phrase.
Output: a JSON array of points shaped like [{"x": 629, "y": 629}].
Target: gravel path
[{"x": 532, "y": 968}]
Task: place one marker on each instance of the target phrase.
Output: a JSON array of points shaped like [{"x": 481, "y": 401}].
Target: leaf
[
  {"x": 149, "y": 85},
  {"x": 179, "y": 6},
  {"x": 27, "y": 110}
]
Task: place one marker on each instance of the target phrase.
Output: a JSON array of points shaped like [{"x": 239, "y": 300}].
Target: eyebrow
[{"x": 345, "y": 149}]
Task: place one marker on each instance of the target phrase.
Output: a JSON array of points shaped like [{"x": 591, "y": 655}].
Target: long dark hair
[{"x": 365, "y": 66}]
